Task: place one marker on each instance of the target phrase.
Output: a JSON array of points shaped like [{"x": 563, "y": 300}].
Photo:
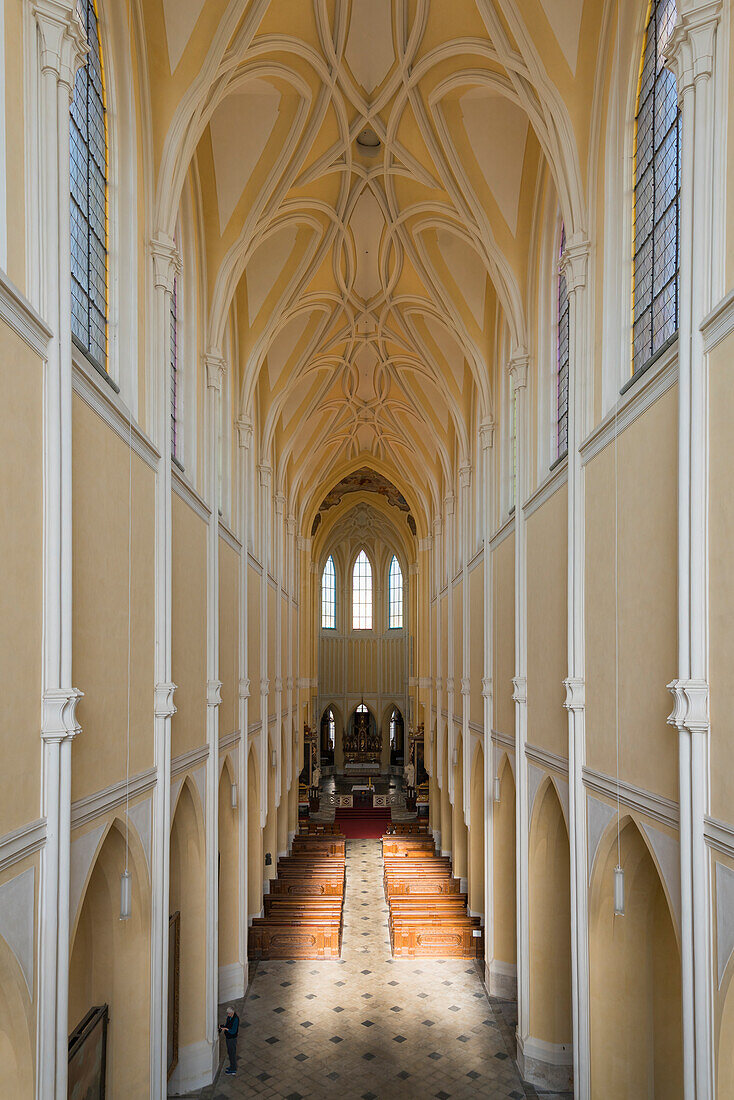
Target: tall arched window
[
  {"x": 174, "y": 370},
  {"x": 362, "y": 593},
  {"x": 88, "y": 172},
  {"x": 562, "y": 359},
  {"x": 328, "y": 595},
  {"x": 395, "y": 595},
  {"x": 332, "y": 728},
  {"x": 393, "y": 728},
  {"x": 656, "y": 193}
]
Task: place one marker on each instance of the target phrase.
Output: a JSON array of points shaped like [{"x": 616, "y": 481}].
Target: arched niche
[
  {"x": 16, "y": 1049},
  {"x": 282, "y": 827},
  {"x": 549, "y": 874},
  {"x": 459, "y": 832},
  {"x": 504, "y": 963},
  {"x": 254, "y": 838},
  {"x": 228, "y": 870},
  {"x": 110, "y": 961},
  {"x": 635, "y": 976},
  {"x": 187, "y": 895},
  {"x": 476, "y": 833}
]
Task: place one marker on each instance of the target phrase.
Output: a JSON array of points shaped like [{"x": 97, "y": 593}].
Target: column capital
[
  {"x": 465, "y": 476},
  {"x": 518, "y": 368},
  {"x": 425, "y": 682},
  {"x": 436, "y": 526},
  {"x": 486, "y": 434},
  {"x": 265, "y": 473},
  {"x": 465, "y": 685},
  {"x": 449, "y": 503},
  {"x": 439, "y": 684},
  {"x": 264, "y": 685},
  {"x": 413, "y": 569},
  {"x": 215, "y": 367},
  {"x": 691, "y": 705},
  {"x": 58, "y": 714},
  {"x": 166, "y": 262},
  {"x": 519, "y": 689},
  {"x": 487, "y": 687},
  {"x": 244, "y": 432},
  {"x": 575, "y": 693},
  {"x": 291, "y": 523},
  {"x": 426, "y": 543},
  {"x": 244, "y": 687},
  {"x": 689, "y": 52},
  {"x": 304, "y": 544},
  {"x": 279, "y": 504},
  {"x": 574, "y": 262},
  {"x": 450, "y": 684},
  {"x": 213, "y": 693},
  {"x": 163, "y": 700},
  {"x": 64, "y": 45}
]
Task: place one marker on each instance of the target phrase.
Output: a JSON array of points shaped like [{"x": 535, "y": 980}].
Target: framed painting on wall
[
  {"x": 88, "y": 1056},
  {"x": 174, "y": 956}
]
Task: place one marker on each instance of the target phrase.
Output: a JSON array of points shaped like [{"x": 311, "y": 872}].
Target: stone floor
[{"x": 369, "y": 1026}]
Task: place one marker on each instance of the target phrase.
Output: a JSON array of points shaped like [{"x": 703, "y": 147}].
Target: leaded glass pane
[
  {"x": 395, "y": 595},
  {"x": 88, "y": 185},
  {"x": 657, "y": 192},
  {"x": 328, "y": 595},
  {"x": 362, "y": 593}
]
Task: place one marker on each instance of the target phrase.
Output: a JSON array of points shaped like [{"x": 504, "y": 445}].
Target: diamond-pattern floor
[{"x": 369, "y": 1026}]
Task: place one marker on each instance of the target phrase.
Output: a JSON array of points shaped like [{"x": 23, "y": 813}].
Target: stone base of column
[
  {"x": 501, "y": 979},
  {"x": 545, "y": 1065},
  {"x": 232, "y": 982},
  {"x": 197, "y": 1064}
]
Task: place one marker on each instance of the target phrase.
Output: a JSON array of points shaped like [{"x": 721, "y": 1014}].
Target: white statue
[
  {"x": 409, "y": 773},
  {"x": 316, "y": 777}
]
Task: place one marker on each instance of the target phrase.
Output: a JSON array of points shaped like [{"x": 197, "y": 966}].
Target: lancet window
[
  {"x": 328, "y": 595},
  {"x": 362, "y": 593}
]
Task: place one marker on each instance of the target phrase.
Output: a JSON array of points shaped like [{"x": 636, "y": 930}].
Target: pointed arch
[
  {"x": 328, "y": 595},
  {"x": 395, "y": 595}
]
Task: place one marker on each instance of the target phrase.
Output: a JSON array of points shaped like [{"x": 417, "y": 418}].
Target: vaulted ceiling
[{"x": 367, "y": 173}]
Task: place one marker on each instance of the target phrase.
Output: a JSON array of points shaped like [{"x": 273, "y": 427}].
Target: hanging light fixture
[
  {"x": 455, "y": 757},
  {"x": 233, "y": 796},
  {"x": 497, "y": 788},
  {"x": 619, "y": 891},
  {"x": 126, "y": 895},
  {"x": 274, "y": 758}
]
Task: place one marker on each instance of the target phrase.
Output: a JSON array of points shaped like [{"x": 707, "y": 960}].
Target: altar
[{"x": 362, "y": 743}]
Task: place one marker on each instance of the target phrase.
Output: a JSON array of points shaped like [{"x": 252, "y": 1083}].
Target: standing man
[{"x": 231, "y": 1027}]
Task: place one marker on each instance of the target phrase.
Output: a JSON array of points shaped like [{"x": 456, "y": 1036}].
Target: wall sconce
[
  {"x": 233, "y": 796},
  {"x": 126, "y": 895},
  {"x": 274, "y": 758},
  {"x": 455, "y": 757},
  {"x": 619, "y": 891},
  {"x": 497, "y": 788}
]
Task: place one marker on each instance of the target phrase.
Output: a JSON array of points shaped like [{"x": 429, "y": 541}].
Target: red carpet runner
[{"x": 362, "y": 824}]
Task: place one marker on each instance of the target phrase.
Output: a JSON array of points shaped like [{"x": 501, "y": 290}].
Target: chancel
[{"x": 367, "y": 599}]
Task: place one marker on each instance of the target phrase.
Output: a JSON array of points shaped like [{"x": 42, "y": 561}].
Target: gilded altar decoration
[{"x": 363, "y": 744}]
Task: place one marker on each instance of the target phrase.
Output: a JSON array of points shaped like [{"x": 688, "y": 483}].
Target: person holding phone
[{"x": 230, "y": 1028}]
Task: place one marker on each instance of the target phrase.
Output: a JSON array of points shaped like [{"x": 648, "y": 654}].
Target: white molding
[
  {"x": 231, "y": 983},
  {"x": 188, "y": 760},
  {"x": 229, "y": 740},
  {"x": 252, "y": 560},
  {"x": 102, "y": 399},
  {"x": 19, "y": 314},
  {"x": 719, "y": 835},
  {"x": 507, "y": 528},
  {"x": 21, "y": 843},
  {"x": 87, "y": 809},
  {"x": 653, "y": 384},
  {"x": 229, "y": 537},
  {"x": 183, "y": 488},
  {"x": 719, "y": 323},
  {"x": 645, "y": 802},
  {"x": 506, "y": 740},
  {"x": 552, "y": 483},
  {"x": 553, "y": 1054},
  {"x": 551, "y": 761},
  {"x": 478, "y": 559}
]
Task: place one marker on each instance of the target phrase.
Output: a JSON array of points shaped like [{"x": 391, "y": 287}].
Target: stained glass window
[
  {"x": 328, "y": 595},
  {"x": 362, "y": 593},
  {"x": 393, "y": 728},
  {"x": 562, "y": 360},
  {"x": 395, "y": 595},
  {"x": 88, "y": 173},
  {"x": 332, "y": 728},
  {"x": 656, "y": 193},
  {"x": 174, "y": 370}
]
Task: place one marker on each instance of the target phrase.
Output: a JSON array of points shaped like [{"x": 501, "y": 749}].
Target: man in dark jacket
[{"x": 231, "y": 1027}]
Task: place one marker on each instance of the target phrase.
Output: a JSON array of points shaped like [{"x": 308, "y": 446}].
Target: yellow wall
[
  {"x": 648, "y": 582},
  {"x": 100, "y": 620},
  {"x": 188, "y": 726},
  {"x": 547, "y": 587},
  {"x": 21, "y": 552},
  {"x": 504, "y": 635},
  {"x": 228, "y": 643},
  {"x": 253, "y": 642},
  {"x": 721, "y": 581},
  {"x": 476, "y": 649}
]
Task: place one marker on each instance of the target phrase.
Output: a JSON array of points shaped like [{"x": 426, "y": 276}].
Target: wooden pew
[
  {"x": 292, "y": 886},
  {"x": 447, "y": 937},
  {"x": 296, "y": 938},
  {"x": 405, "y": 845},
  {"x": 318, "y": 845}
]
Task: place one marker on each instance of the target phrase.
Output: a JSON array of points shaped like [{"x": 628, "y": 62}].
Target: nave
[{"x": 371, "y": 1026}]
